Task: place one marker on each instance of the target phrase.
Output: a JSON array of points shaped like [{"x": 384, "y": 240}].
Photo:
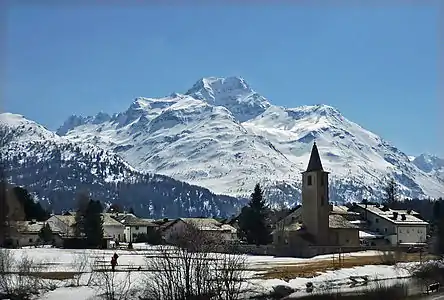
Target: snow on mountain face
[
  {"x": 193, "y": 141},
  {"x": 56, "y": 169},
  {"x": 349, "y": 152},
  {"x": 231, "y": 92},
  {"x": 224, "y": 136},
  {"x": 24, "y": 129},
  {"x": 430, "y": 164}
]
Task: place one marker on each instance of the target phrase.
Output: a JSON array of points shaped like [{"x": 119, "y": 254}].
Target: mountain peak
[
  {"x": 218, "y": 85},
  {"x": 233, "y": 93}
]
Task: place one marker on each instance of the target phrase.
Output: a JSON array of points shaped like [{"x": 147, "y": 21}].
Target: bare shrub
[
  {"x": 391, "y": 257},
  {"x": 81, "y": 264},
  {"x": 20, "y": 277},
  {"x": 112, "y": 285},
  {"x": 193, "y": 270},
  {"x": 429, "y": 272}
]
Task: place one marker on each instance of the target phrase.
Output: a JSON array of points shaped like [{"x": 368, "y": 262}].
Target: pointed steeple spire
[{"x": 315, "y": 161}]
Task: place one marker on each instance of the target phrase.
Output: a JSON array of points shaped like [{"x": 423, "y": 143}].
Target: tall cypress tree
[{"x": 253, "y": 219}]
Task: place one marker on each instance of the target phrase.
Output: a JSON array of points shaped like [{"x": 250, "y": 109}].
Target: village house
[
  {"x": 27, "y": 233},
  {"x": 113, "y": 228},
  {"x": 65, "y": 225},
  {"x": 383, "y": 225},
  {"x": 134, "y": 226},
  {"x": 316, "y": 227},
  {"x": 208, "y": 226}
]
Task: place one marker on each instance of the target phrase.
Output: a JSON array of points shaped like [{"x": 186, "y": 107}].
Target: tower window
[{"x": 309, "y": 180}]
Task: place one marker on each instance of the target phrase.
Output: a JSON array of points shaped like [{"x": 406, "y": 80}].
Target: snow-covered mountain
[
  {"x": 224, "y": 136},
  {"x": 430, "y": 164},
  {"x": 56, "y": 169}
]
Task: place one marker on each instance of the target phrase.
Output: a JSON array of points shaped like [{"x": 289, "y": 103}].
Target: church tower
[{"x": 315, "y": 201}]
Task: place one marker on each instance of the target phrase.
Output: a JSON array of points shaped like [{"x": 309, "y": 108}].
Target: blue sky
[{"x": 377, "y": 64}]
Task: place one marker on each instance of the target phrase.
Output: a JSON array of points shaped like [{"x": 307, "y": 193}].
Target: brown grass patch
[
  {"x": 313, "y": 268},
  {"x": 55, "y": 275}
]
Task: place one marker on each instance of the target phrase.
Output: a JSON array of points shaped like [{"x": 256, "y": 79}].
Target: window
[
  {"x": 309, "y": 180},
  {"x": 30, "y": 240},
  {"x": 376, "y": 220},
  {"x": 137, "y": 228},
  {"x": 385, "y": 229}
]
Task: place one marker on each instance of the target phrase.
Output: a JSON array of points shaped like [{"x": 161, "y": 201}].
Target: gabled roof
[
  {"x": 315, "y": 163},
  {"x": 205, "y": 224},
  {"x": 108, "y": 220},
  {"x": 131, "y": 220},
  {"x": 388, "y": 214}
]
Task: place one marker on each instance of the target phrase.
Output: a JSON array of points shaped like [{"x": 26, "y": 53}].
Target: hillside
[{"x": 56, "y": 170}]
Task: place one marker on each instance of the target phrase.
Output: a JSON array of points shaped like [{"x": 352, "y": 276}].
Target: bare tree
[{"x": 193, "y": 270}]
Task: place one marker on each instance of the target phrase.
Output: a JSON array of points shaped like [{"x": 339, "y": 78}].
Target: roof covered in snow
[{"x": 396, "y": 216}]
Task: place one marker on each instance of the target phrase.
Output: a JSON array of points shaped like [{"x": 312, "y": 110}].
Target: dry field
[{"x": 313, "y": 268}]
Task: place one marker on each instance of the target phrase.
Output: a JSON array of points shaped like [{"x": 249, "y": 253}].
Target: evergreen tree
[
  {"x": 438, "y": 225},
  {"x": 93, "y": 225},
  {"x": 32, "y": 209},
  {"x": 82, "y": 205},
  {"x": 391, "y": 193},
  {"x": 45, "y": 234},
  {"x": 253, "y": 219}
]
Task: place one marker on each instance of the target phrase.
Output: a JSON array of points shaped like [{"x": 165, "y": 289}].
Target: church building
[{"x": 316, "y": 226}]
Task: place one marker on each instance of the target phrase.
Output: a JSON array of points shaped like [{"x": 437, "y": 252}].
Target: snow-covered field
[{"x": 65, "y": 260}]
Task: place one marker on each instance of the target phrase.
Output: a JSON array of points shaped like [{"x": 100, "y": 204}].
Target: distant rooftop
[{"x": 389, "y": 214}]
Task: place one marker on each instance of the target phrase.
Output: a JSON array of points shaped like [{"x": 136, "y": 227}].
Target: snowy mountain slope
[
  {"x": 56, "y": 169},
  {"x": 430, "y": 164},
  {"x": 223, "y": 135},
  {"x": 192, "y": 141},
  {"x": 348, "y": 151}
]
